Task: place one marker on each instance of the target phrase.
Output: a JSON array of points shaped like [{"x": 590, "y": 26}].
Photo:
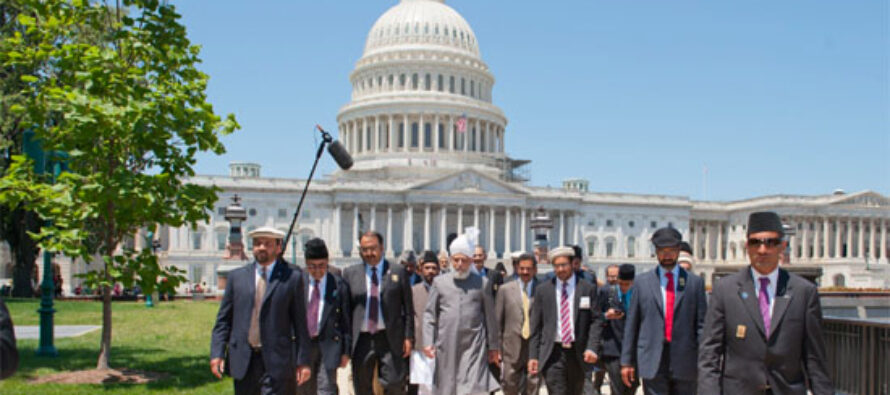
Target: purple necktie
[
  {"x": 373, "y": 302},
  {"x": 764, "y": 303},
  {"x": 312, "y": 319}
]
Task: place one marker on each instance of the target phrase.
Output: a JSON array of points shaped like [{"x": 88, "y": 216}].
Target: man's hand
[
  {"x": 409, "y": 345},
  {"x": 344, "y": 360},
  {"x": 627, "y": 375},
  {"x": 614, "y": 314},
  {"x": 216, "y": 367},
  {"x": 303, "y": 374},
  {"x": 532, "y": 367},
  {"x": 590, "y": 356},
  {"x": 494, "y": 357},
  {"x": 430, "y": 351}
]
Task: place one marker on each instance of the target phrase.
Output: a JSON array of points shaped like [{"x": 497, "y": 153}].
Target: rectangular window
[
  {"x": 221, "y": 210},
  {"x": 282, "y": 213},
  {"x": 427, "y": 135},
  {"x": 221, "y": 240},
  {"x": 441, "y": 136},
  {"x": 415, "y": 135}
]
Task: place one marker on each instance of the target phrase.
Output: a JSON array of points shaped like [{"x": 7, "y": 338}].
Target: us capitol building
[{"x": 429, "y": 147}]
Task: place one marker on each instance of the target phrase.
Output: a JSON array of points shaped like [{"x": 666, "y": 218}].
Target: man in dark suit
[
  {"x": 327, "y": 321},
  {"x": 664, "y": 323},
  {"x": 261, "y": 324},
  {"x": 565, "y": 327},
  {"x": 408, "y": 260},
  {"x": 614, "y": 303},
  {"x": 513, "y": 310},
  {"x": 495, "y": 279},
  {"x": 599, "y": 373},
  {"x": 421, "y": 366},
  {"x": 577, "y": 266},
  {"x": 9, "y": 354},
  {"x": 382, "y": 319},
  {"x": 763, "y": 329}
]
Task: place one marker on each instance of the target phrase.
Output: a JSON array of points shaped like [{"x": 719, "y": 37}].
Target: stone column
[
  {"x": 826, "y": 237},
  {"x": 837, "y": 238},
  {"x": 375, "y": 146},
  {"x": 421, "y": 134},
  {"x": 508, "y": 230},
  {"x": 460, "y": 220},
  {"x": 817, "y": 239},
  {"x": 337, "y": 232},
  {"x": 708, "y": 241},
  {"x": 478, "y": 135},
  {"x": 849, "y": 239},
  {"x": 389, "y": 251},
  {"x": 524, "y": 229},
  {"x": 392, "y": 135},
  {"x": 805, "y": 240},
  {"x": 861, "y": 252},
  {"x": 426, "y": 228},
  {"x": 406, "y": 133},
  {"x": 696, "y": 244},
  {"x": 562, "y": 228},
  {"x": 792, "y": 241},
  {"x": 491, "y": 254},
  {"x": 354, "y": 236},
  {"x": 443, "y": 227},
  {"x": 476, "y": 217},
  {"x": 872, "y": 241},
  {"x": 373, "y": 218},
  {"x": 409, "y": 228},
  {"x": 883, "y": 254}
]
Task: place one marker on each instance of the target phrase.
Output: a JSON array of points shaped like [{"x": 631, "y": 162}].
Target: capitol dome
[{"x": 421, "y": 101}]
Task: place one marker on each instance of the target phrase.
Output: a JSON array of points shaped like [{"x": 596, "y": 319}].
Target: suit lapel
[
  {"x": 781, "y": 302},
  {"x": 251, "y": 282},
  {"x": 681, "y": 288},
  {"x": 329, "y": 303},
  {"x": 749, "y": 299},
  {"x": 659, "y": 299},
  {"x": 274, "y": 279},
  {"x": 552, "y": 315}
]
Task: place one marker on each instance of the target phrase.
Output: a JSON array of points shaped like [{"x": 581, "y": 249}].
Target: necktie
[
  {"x": 564, "y": 313},
  {"x": 669, "y": 307},
  {"x": 253, "y": 333},
  {"x": 373, "y": 302},
  {"x": 764, "y": 304},
  {"x": 526, "y": 328},
  {"x": 312, "y": 318}
]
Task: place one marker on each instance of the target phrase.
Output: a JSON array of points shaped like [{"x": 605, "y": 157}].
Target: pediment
[
  {"x": 863, "y": 199},
  {"x": 469, "y": 181}
]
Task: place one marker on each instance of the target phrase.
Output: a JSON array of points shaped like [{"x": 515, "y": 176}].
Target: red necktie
[{"x": 669, "y": 307}]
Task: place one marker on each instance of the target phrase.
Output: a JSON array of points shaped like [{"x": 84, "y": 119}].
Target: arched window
[
  {"x": 840, "y": 281},
  {"x": 591, "y": 246},
  {"x": 631, "y": 247},
  {"x": 427, "y": 135},
  {"x": 610, "y": 247},
  {"x": 402, "y": 81},
  {"x": 451, "y": 84},
  {"x": 415, "y": 136},
  {"x": 441, "y": 85},
  {"x": 441, "y": 135},
  {"x": 463, "y": 86},
  {"x": 197, "y": 237},
  {"x": 414, "y": 81},
  {"x": 427, "y": 82}
]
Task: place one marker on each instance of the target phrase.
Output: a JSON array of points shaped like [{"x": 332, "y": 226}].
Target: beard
[{"x": 461, "y": 274}]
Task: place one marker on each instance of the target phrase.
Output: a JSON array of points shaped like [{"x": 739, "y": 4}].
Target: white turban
[{"x": 465, "y": 243}]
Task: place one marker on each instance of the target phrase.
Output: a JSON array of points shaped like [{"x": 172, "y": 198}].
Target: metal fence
[{"x": 858, "y": 353}]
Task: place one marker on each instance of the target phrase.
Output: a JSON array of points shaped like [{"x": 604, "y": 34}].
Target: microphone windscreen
[{"x": 341, "y": 156}]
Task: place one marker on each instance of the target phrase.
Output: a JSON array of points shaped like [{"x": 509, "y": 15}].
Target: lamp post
[
  {"x": 236, "y": 215},
  {"x": 541, "y": 224},
  {"x": 154, "y": 244}
]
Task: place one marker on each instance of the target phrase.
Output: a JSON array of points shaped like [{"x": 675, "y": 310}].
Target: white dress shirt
[
  {"x": 770, "y": 289},
  {"x": 259, "y": 271},
  {"x": 379, "y": 268},
  {"x": 321, "y": 289},
  {"x": 571, "y": 293}
]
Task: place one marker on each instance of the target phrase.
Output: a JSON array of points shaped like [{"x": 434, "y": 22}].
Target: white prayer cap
[
  {"x": 516, "y": 254},
  {"x": 685, "y": 257},
  {"x": 465, "y": 243},
  {"x": 560, "y": 251},
  {"x": 266, "y": 231}
]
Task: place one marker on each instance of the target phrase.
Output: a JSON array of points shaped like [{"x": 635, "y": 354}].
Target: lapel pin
[
  {"x": 395, "y": 278},
  {"x": 744, "y": 295},
  {"x": 740, "y": 331}
]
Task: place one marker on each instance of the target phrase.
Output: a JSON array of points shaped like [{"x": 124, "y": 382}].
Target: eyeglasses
[{"x": 770, "y": 242}]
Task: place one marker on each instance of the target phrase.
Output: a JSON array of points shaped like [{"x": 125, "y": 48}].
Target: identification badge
[
  {"x": 495, "y": 287},
  {"x": 740, "y": 331},
  {"x": 585, "y": 302},
  {"x": 395, "y": 278}
]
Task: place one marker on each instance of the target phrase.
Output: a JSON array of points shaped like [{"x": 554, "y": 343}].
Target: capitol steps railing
[{"x": 858, "y": 353}]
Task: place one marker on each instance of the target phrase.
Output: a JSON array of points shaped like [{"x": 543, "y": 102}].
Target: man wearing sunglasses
[{"x": 763, "y": 329}]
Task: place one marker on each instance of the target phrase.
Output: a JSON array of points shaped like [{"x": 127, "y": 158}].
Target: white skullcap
[
  {"x": 516, "y": 254},
  {"x": 465, "y": 243},
  {"x": 266, "y": 231},
  {"x": 561, "y": 251}
]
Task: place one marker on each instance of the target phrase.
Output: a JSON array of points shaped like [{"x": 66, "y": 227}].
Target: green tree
[{"x": 120, "y": 93}]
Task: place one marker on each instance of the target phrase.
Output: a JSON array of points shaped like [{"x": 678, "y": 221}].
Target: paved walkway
[{"x": 33, "y": 332}]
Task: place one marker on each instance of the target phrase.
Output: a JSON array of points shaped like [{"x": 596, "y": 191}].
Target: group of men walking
[{"x": 413, "y": 327}]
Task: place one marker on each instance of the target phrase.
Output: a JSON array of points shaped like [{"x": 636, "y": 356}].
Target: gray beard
[{"x": 461, "y": 275}]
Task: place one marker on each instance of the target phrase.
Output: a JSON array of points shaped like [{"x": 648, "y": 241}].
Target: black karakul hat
[
  {"x": 578, "y": 253},
  {"x": 667, "y": 237},
  {"x": 429, "y": 256},
  {"x": 765, "y": 221},
  {"x": 626, "y": 272},
  {"x": 315, "y": 249},
  {"x": 684, "y": 246}
]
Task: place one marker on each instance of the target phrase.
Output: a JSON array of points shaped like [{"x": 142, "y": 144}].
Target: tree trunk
[
  {"x": 105, "y": 348},
  {"x": 23, "y": 251}
]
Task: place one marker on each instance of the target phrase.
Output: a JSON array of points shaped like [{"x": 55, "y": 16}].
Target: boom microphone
[{"x": 338, "y": 152}]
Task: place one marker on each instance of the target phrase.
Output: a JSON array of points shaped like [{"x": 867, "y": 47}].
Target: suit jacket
[
  {"x": 508, "y": 311},
  {"x": 9, "y": 355},
  {"x": 334, "y": 330},
  {"x": 495, "y": 280},
  {"x": 644, "y": 328},
  {"x": 396, "y": 302},
  {"x": 736, "y": 356},
  {"x": 545, "y": 319},
  {"x": 282, "y": 322},
  {"x": 613, "y": 330},
  {"x": 420, "y": 295}
]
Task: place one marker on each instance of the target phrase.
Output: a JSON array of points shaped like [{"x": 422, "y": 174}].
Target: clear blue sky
[{"x": 636, "y": 96}]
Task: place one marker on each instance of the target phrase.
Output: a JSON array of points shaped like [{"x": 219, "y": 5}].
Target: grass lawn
[{"x": 172, "y": 337}]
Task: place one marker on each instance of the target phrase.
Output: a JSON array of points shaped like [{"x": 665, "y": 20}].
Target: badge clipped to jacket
[{"x": 585, "y": 303}]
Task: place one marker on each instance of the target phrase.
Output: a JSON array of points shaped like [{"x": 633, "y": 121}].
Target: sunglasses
[{"x": 770, "y": 242}]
